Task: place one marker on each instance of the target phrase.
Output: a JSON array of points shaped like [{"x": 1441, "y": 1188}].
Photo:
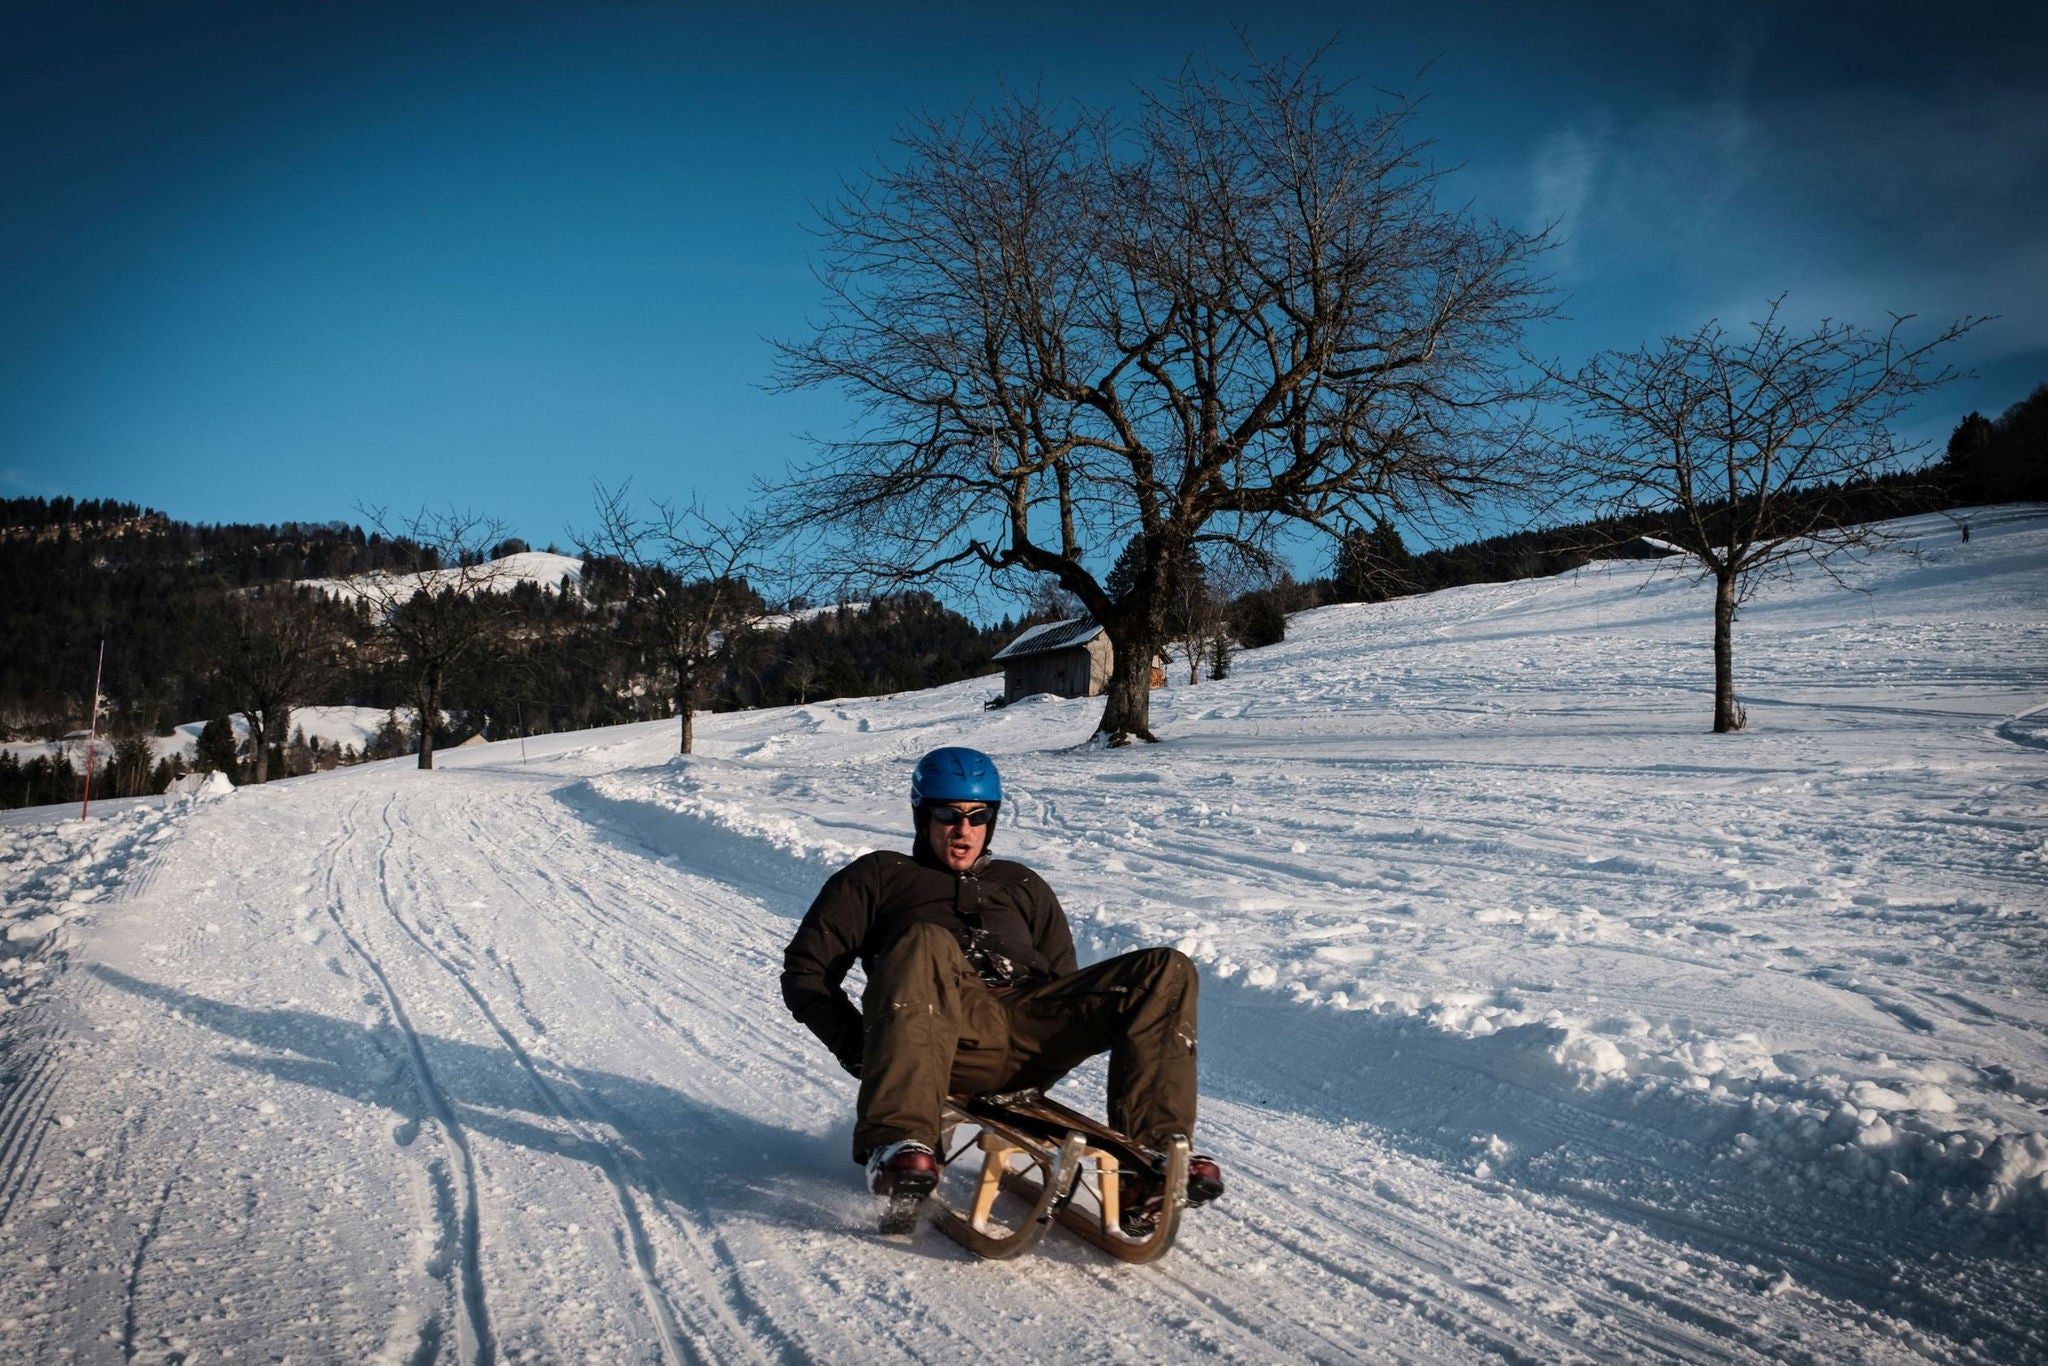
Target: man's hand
[{"x": 849, "y": 1047}]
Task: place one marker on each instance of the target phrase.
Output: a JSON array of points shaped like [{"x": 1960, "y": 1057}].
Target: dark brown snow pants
[{"x": 932, "y": 1028}]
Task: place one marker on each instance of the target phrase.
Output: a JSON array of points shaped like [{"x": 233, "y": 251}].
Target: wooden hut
[{"x": 1066, "y": 658}]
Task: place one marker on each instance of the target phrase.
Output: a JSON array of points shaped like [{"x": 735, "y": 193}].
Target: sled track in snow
[
  {"x": 145, "y": 1240},
  {"x": 28, "y": 1052},
  {"x": 725, "y": 1331},
  {"x": 473, "y": 1329},
  {"x": 715, "y": 1336}
]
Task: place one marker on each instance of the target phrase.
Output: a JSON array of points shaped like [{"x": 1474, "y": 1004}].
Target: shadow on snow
[{"x": 674, "y": 1147}]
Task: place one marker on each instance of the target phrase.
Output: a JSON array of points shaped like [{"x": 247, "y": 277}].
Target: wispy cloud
[
  {"x": 1860, "y": 201},
  {"x": 1562, "y": 177},
  {"x": 27, "y": 483}
]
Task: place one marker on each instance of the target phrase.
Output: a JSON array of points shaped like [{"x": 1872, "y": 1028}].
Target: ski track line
[
  {"x": 25, "y": 1119},
  {"x": 473, "y": 1321},
  {"x": 725, "y": 1334},
  {"x": 576, "y": 1112},
  {"x": 1421, "y": 1288},
  {"x": 30, "y": 1042},
  {"x": 146, "y": 1236},
  {"x": 1848, "y": 1287},
  {"x": 1455, "y": 1282},
  {"x": 727, "y": 1263},
  {"x": 1466, "y": 1328}
]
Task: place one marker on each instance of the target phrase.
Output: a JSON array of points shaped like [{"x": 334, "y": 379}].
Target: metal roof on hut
[{"x": 1053, "y": 635}]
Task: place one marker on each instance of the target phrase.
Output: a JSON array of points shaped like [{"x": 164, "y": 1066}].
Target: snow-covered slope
[
  {"x": 1538, "y": 1023},
  {"x": 336, "y": 726},
  {"x": 542, "y": 568}
]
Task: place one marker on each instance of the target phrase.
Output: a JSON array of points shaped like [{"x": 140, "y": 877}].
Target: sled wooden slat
[
  {"x": 1102, "y": 1228},
  {"x": 1061, "y": 1147},
  {"x": 1058, "y": 1167}
]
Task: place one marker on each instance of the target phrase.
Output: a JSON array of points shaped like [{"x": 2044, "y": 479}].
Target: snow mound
[{"x": 201, "y": 786}]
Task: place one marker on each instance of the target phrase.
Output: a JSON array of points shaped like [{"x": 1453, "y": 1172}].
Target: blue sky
[{"x": 275, "y": 262}]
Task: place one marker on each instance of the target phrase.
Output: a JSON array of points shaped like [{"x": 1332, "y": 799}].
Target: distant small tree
[
  {"x": 301, "y": 755},
  {"x": 274, "y": 650},
  {"x": 215, "y": 752},
  {"x": 800, "y": 672},
  {"x": 435, "y": 608},
  {"x": 690, "y": 584},
  {"x": 49, "y": 779},
  {"x": 1740, "y": 439},
  {"x": 1968, "y": 458},
  {"x": 1199, "y": 605},
  {"x": 129, "y": 768},
  {"x": 166, "y": 772},
  {"x": 391, "y": 739},
  {"x": 1191, "y": 611}
]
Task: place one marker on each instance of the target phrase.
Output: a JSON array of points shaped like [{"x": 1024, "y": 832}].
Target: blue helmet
[{"x": 954, "y": 774}]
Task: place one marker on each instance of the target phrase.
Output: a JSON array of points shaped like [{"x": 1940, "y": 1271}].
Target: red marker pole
[{"x": 92, "y": 730}]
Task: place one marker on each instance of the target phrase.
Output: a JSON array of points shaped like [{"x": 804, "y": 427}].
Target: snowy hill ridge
[
  {"x": 1538, "y": 1023},
  {"x": 541, "y": 568}
]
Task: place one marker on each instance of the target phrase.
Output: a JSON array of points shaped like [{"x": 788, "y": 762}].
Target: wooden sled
[{"x": 1044, "y": 1154}]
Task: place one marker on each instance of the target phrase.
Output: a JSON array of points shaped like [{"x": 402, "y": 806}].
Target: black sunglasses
[{"x": 953, "y": 815}]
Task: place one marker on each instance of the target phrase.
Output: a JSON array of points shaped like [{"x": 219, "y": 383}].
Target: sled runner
[{"x": 1045, "y": 1155}]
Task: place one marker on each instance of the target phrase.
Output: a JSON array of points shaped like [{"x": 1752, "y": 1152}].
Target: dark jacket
[{"x": 867, "y": 905}]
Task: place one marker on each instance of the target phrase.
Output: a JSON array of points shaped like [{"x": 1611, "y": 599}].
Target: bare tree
[
  {"x": 1199, "y": 611},
  {"x": 437, "y": 605},
  {"x": 802, "y": 673},
  {"x": 692, "y": 598},
  {"x": 1045, "y": 600},
  {"x": 1244, "y": 309},
  {"x": 1739, "y": 440},
  {"x": 274, "y": 649}
]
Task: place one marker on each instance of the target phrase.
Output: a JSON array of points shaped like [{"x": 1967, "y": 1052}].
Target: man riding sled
[{"x": 972, "y": 988}]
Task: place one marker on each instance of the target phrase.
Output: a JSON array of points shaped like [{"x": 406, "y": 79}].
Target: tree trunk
[
  {"x": 1728, "y": 717},
  {"x": 259, "y": 747},
  {"x": 1127, "y": 714},
  {"x": 281, "y": 727},
  {"x": 686, "y": 689},
  {"x": 430, "y": 711}
]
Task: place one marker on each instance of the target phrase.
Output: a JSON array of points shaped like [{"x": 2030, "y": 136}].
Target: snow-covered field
[{"x": 1538, "y": 1023}]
